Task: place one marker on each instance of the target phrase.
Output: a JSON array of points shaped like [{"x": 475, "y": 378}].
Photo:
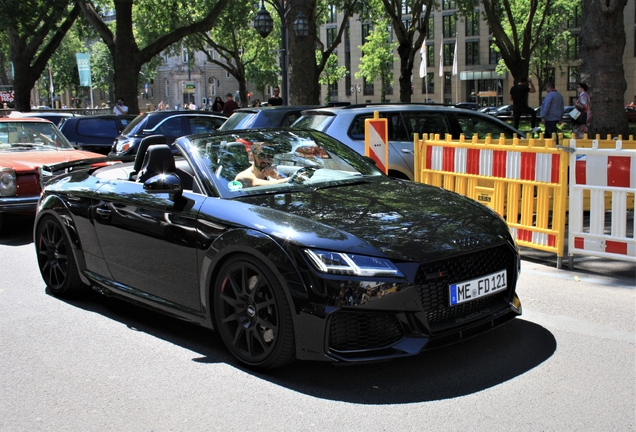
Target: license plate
[{"x": 481, "y": 287}]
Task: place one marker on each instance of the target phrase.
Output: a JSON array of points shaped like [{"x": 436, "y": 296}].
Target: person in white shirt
[{"x": 120, "y": 108}]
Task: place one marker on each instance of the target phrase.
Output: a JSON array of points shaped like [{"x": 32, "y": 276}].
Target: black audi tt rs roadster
[{"x": 286, "y": 242}]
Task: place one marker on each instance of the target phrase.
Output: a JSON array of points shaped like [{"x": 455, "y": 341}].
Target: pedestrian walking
[
  {"x": 519, "y": 98},
  {"x": 230, "y": 105},
  {"x": 584, "y": 105},
  {"x": 552, "y": 111}
]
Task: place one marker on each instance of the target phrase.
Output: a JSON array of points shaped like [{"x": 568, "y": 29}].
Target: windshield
[
  {"x": 318, "y": 122},
  {"x": 136, "y": 126},
  {"x": 239, "y": 120},
  {"x": 19, "y": 136},
  {"x": 275, "y": 161}
]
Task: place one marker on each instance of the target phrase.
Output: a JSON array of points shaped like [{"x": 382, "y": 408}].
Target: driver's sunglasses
[{"x": 265, "y": 155}]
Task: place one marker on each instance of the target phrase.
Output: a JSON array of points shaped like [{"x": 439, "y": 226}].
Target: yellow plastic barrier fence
[{"x": 523, "y": 180}]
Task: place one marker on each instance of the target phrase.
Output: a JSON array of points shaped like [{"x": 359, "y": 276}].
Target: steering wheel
[{"x": 302, "y": 175}]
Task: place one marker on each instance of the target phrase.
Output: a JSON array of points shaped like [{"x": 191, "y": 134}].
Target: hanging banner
[{"x": 84, "y": 69}]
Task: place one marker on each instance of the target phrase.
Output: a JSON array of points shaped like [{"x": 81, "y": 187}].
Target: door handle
[{"x": 103, "y": 212}]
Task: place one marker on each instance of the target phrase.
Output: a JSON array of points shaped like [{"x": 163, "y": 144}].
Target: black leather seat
[
  {"x": 141, "y": 152},
  {"x": 157, "y": 160}
]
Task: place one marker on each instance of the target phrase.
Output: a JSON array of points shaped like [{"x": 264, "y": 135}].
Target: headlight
[
  {"x": 350, "y": 264},
  {"x": 7, "y": 182},
  {"x": 123, "y": 146}
]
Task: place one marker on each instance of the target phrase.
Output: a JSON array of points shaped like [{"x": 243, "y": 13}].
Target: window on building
[
  {"x": 448, "y": 82},
  {"x": 184, "y": 55},
  {"x": 167, "y": 87},
  {"x": 428, "y": 84},
  {"x": 406, "y": 22},
  {"x": 448, "y": 25},
  {"x": 574, "y": 73},
  {"x": 549, "y": 75},
  {"x": 449, "y": 53},
  {"x": 493, "y": 55},
  {"x": 472, "y": 23},
  {"x": 332, "y": 14},
  {"x": 367, "y": 87},
  {"x": 366, "y": 30},
  {"x": 430, "y": 53},
  {"x": 430, "y": 30},
  {"x": 332, "y": 32},
  {"x": 333, "y": 89},
  {"x": 448, "y": 4},
  {"x": 472, "y": 52},
  {"x": 573, "y": 47},
  {"x": 574, "y": 20},
  {"x": 166, "y": 57}
]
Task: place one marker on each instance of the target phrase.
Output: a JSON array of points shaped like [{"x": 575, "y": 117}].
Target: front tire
[
  {"x": 56, "y": 260},
  {"x": 252, "y": 314}
]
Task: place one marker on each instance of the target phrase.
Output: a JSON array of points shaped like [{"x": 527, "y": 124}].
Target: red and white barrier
[{"x": 601, "y": 171}]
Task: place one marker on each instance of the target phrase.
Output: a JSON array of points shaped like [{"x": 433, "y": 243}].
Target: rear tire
[
  {"x": 252, "y": 314},
  {"x": 56, "y": 260}
]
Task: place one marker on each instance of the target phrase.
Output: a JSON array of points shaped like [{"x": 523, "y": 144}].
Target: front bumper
[{"x": 19, "y": 204}]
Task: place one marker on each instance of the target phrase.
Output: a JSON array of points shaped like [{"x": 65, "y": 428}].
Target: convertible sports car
[
  {"x": 286, "y": 242},
  {"x": 25, "y": 145}
]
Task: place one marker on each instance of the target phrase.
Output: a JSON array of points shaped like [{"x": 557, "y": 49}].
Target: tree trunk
[
  {"x": 602, "y": 44},
  {"x": 304, "y": 88},
  {"x": 406, "y": 71}
]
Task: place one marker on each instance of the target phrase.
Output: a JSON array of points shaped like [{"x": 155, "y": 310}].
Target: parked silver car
[{"x": 404, "y": 120}]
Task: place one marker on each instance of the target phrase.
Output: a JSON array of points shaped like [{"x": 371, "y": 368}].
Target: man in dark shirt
[
  {"x": 519, "y": 98},
  {"x": 230, "y": 105},
  {"x": 275, "y": 100}
]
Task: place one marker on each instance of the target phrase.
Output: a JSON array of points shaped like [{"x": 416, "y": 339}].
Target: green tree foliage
[
  {"x": 244, "y": 54},
  {"x": 409, "y": 34},
  {"x": 35, "y": 29},
  {"x": 162, "y": 24},
  {"x": 517, "y": 27},
  {"x": 377, "y": 56},
  {"x": 331, "y": 73}
]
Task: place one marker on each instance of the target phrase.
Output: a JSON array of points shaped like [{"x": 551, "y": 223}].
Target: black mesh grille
[
  {"x": 434, "y": 278},
  {"x": 350, "y": 331}
]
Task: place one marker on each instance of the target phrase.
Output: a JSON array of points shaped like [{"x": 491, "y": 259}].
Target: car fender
[
  {"x": 261, "y": 246},
  {"x": 52, "y": 205}
]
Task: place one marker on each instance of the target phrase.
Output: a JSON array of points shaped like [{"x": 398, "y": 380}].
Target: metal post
[{"x": 284, "y": 89}]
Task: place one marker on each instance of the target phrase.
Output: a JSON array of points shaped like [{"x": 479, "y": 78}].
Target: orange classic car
[{"x": 26, "y": 144}]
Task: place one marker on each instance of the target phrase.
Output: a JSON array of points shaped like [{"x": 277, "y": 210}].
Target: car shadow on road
[
  {"x": 16, "y": 230},
  {"x": 464, "y": 368}
]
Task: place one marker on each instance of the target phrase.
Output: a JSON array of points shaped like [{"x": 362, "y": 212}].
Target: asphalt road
[{"x": 98, "y": 364}]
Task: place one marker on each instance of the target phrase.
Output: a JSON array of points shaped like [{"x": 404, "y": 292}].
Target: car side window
[
  {"x": 356, "y": 130},
  {"x": 200, "y": 125},
  {"x": 426, "y": 123},
  {"x": 97, "y": 127},
  {"x": 173, "y": 128},
  {"x": 397, "y": 131},
  {"x": 483, "y": 127}
]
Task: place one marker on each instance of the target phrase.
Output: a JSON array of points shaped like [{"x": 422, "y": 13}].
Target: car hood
[
  {"x": 25, "y": 161},
  {"x": 400, "y": 219}
]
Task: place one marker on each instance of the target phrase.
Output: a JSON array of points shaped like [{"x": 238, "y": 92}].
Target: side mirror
[{"x": 165, "y": 183}]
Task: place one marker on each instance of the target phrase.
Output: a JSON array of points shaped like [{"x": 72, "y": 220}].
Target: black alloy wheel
[
  {"x": 55, "y": 258},
  {"x": 252, "y": 314}
]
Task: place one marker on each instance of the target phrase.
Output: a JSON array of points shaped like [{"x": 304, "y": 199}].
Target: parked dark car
[
  {"x": 468, "y": 105},
  {"x": 53, "y": 116},
  {"x": 95, "y": 133},
  {"x": 330, "y": 260},
  {"x": 170, "y": 124},
  {"x": 268, "y": 117}
]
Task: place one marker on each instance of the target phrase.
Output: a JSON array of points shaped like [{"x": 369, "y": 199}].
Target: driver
[{"x": 261, "y": 172}]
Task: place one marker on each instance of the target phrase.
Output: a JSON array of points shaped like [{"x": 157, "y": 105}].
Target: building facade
[{"x": 471, "y": 76}]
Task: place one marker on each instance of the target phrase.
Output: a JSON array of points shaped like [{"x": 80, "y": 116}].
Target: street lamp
[{"x": 264, "y": 24}]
